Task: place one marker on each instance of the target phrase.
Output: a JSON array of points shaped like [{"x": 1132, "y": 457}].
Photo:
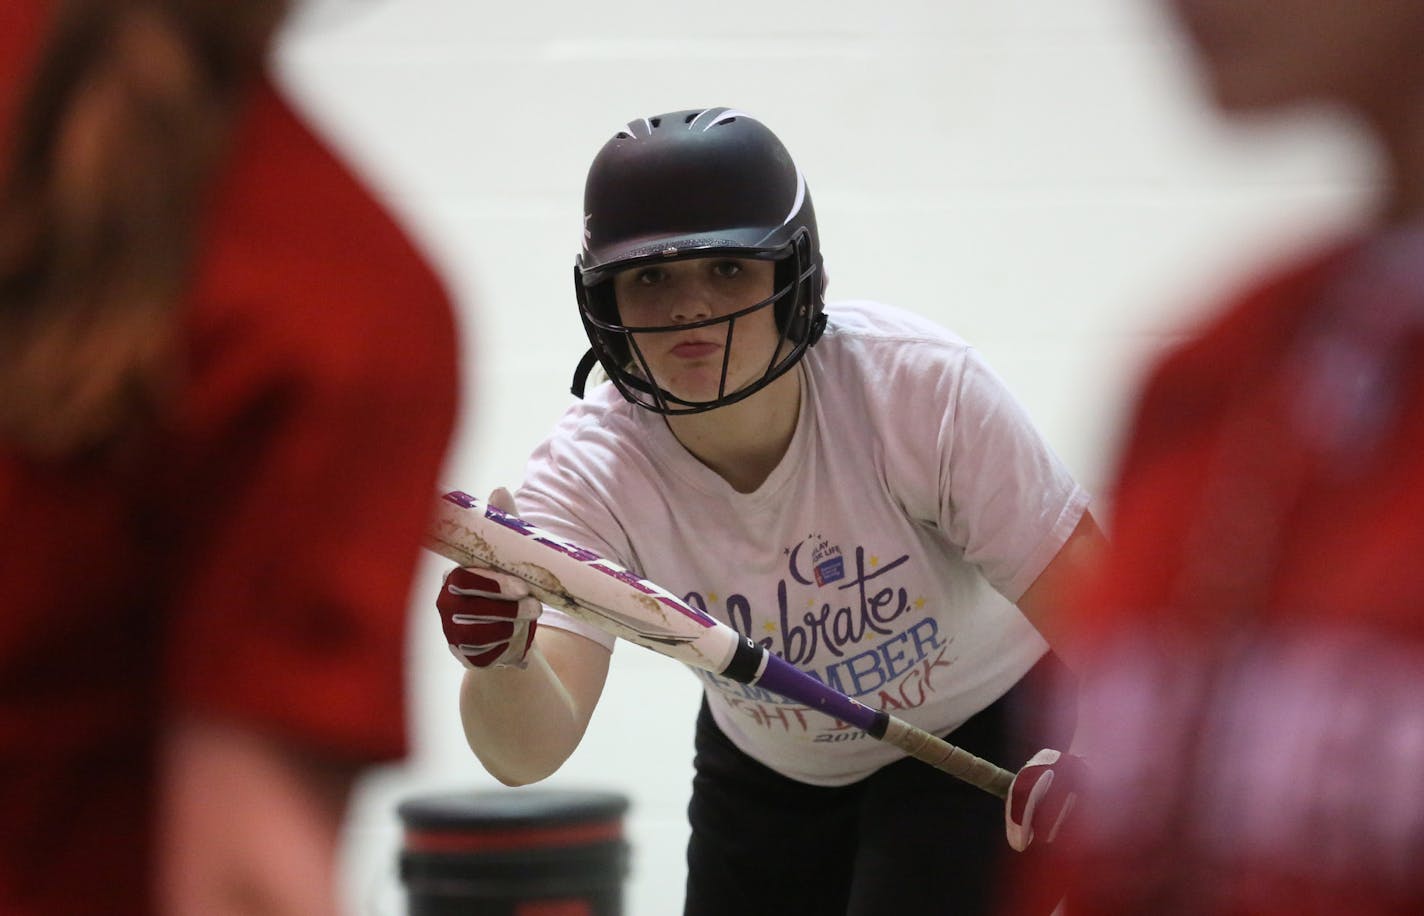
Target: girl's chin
[
  {"x": 694, "y": 396},
  {"x": 699, "y": 393}
]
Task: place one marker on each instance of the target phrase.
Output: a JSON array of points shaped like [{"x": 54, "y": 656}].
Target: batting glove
[
  {"x": 1042, "y": 796},
  {"x": 489, "y": 618}
]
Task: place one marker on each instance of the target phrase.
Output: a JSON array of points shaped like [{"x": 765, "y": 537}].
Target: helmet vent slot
[
  {"x": 656, "y": 122},
  {"x": 622, "y": 135}
]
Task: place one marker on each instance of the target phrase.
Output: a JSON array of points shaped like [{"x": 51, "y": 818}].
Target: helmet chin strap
[{"x": 581, "y": 371}]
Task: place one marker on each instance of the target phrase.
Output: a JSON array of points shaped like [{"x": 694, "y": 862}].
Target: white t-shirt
[{"x": 914, "y": 504}]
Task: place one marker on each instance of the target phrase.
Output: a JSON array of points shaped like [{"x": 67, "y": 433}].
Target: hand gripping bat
[{"x": 582, "y": 584}]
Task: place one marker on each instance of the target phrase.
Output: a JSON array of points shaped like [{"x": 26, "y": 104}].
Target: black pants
[{"x": 906, "y": 839}]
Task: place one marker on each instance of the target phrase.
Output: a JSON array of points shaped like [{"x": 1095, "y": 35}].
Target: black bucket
[{"x": 514, "y": 852}]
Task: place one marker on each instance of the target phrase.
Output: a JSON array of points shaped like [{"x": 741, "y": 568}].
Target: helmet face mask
[{"x": 710, "y": 183}]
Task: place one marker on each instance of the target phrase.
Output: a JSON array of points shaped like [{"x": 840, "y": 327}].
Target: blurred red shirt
[
  {"x": 254, "y": 563},
  {"x": 1254, "y": 645}
]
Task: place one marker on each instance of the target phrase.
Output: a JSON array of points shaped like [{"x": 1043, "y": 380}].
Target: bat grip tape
[{"x": 746, "y": 663}]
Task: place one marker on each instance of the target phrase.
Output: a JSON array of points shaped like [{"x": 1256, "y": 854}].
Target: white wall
[{"x": 1038, "y": 175}]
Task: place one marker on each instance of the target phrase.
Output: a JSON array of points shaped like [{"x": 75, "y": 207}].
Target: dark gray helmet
[{"x": 702, "y": 183}]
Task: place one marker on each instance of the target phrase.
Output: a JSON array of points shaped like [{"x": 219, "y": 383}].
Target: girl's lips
[{"x": 694, "y": 350}]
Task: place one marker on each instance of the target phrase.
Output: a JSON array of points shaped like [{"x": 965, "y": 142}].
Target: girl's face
[
  {"x": 688, "y": 362},
  {"x": 1263, "y": 53}
]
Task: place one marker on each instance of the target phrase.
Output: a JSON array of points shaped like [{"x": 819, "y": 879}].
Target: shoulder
[
  {"x": 603, "y": 418},
  {"x": 598, "y": 446},
  {"x": 288, "y": 217},
  {"x": 887, "y": 350},
  {"x": 1240, "y": 342},
  {"x": 578, "y": 479},
  {"x": 284, "y": 179},
  {"x": 877, "y": 324},
  {"x": 302, "y": 270}
]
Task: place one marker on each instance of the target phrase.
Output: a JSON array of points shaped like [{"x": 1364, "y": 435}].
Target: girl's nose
[{"x": 693, "y": 304}]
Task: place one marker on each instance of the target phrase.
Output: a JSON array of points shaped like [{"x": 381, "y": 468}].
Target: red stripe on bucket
[{"x": 509, "y": 840}]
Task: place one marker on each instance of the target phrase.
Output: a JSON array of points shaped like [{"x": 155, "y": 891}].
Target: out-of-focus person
[
  {"x": 1252, "y": 651},
  {"x": 227, "y": 382}
]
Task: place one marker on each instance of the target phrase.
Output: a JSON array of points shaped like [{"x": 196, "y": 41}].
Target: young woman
[
  {"x": 211, "y": 337},
  {"x": 1253, "y": 650},
  {"x": 850, "y": 485}
]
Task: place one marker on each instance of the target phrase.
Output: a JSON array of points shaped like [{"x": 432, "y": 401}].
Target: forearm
[
  {"x": 523, "y": 724},
  {"x": 248, "y": 824}
]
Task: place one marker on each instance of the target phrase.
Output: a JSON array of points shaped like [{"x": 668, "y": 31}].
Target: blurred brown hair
[{"x": 118, "y": 133}]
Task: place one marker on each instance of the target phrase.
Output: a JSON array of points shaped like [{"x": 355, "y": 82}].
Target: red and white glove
[
  {"x": 1042, "y": 796},
  {"x": 489, "y": 618}
]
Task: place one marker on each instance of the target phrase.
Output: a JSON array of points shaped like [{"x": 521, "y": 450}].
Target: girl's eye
[
  {"x": 651, "y": 276},
  {"x": 727, "y": 269}
]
